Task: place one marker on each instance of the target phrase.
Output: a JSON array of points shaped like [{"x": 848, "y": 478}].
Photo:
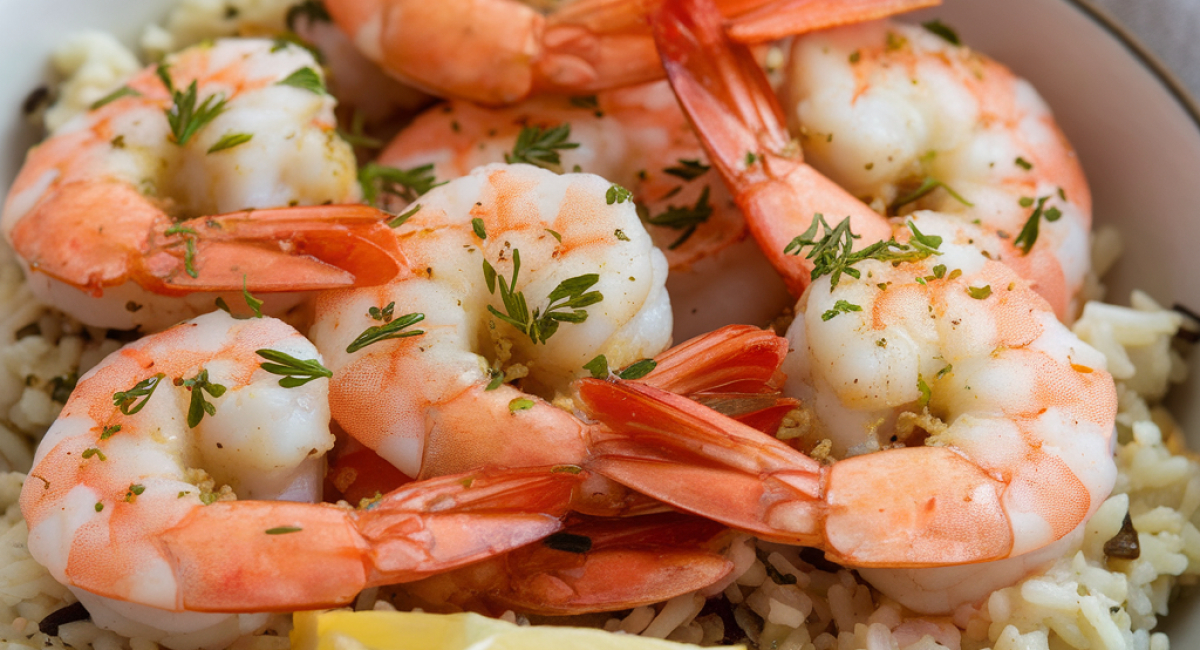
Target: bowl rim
[{"x": 1143, "y": 54}]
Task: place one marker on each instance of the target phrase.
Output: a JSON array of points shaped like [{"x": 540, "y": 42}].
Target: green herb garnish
[
  {"x": 617, "y": 194},
  {"x": 199, "y": 405},
  {"x": 520, "y": 404},
  {"x": 1029, "y": 232},
  {"x": 833, "y": 253},
  {"x": 686, "y": 218},
  {"x": 477, "y": 226},
  {"x": 123, "y": 91},
  {"x": 840, "y": 307},
  {"x": 384, "y": 314},
  {"x": 229, "y": 141},
  {"x": 928, "y": 185},
  {"x": 407, "y": 184},
  {"x": 305, "y": 79},
  {"x": 980, "y": 293},
  {"x": 941, "y": 29},
  {"x": 184, "y": 116},
  {"x": 566, "y": 302},
  {"x": 391, "y": 330},
  {"x": 688, "y": 169},
  {"x": 297, "y": 372},
  {"x": 283, "y": 530},
  {"x": 538, "y": 146},
  {"x": 133, "y": 400}
]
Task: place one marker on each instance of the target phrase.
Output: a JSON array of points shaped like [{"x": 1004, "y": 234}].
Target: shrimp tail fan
[
  {"x": 778, "y": 19},
  {"x": 440, "y": 524},
  {"x": 697, "y": 460},
  {"x": 285, "y": 249}
]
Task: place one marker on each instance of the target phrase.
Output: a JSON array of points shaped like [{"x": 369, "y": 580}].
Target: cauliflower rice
[{"x": 784, "y": 598}]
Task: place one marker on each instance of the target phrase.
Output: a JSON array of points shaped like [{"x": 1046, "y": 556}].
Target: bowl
[{"x": 1136, "y": 131}]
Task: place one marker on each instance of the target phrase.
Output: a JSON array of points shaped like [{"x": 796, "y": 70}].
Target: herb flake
[{"x": 296, "y": 372}]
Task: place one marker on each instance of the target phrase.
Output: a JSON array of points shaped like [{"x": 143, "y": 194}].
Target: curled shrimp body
[
  {"x": 440, "y": 396},
  {"x": 454, "y": 48},
  {"x": 991, "y": 422},
  {"x": 884, "y": 109},
  {"x": 180, "y": 182},
  {"x": 124, "y": 507},
  {"x": 638, "y": 138},
  {"x": 967, "y": 423}
]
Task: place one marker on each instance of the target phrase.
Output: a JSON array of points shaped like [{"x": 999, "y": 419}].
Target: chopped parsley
[
  {"x": 229, "y": 141},
  {"x": 92, "y": 451},
  {"x": 688, "y": 169},
  {"x": 566, "y": 302},
  {"x": 520, "y": 404},
  {"x": 943, "y": 30},
  {"x": 133, "y": 400},
  {"x": 686, "y": 218},
  {"x": 184, "y": 116},
  {"x": 538, "y": 146},
  {"x": 109, "y": 430},
  {"x": 296, "y": 372},
  {"x": 254, "y": 303},
  {"x": 123, "y": 91},
  {"x": 926, "y": 393},
  {"x": 840, "y": 307},
  {"x": 198, "y": 406},
  {"x": 617, "y": 194},
  {"x": 980, "y": 293},
  {"x": 1029, "y": 232},
  {"x": 305, "y": 79},
  {"x": 135, "y": 490},
  {"x": 403, "y": 216},
  {"x": 833, "y": 253},
  {"x": 284, "y": 530},
  {"x": 407, "y": 184},
  {"x": 477, "y": 226},
  {"x": 1023, "y": 164},
  {"x": 927, "y": 185},
  {"x": 598, "y": 368},
  {"x": 384, "y": 314},
  {"x": 392, "y": 329}
]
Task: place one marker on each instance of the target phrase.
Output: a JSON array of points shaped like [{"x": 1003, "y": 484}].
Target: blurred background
[{"x": 1170, "y": 28}]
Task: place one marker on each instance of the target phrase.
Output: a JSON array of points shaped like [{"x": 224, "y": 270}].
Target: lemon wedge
[{"x": 346, "y": 630}]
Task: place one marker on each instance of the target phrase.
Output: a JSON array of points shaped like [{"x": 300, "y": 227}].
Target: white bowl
[{"x": 1136, "y": 132}]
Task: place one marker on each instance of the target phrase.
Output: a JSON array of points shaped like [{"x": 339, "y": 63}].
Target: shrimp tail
[
  {"x": 285, "y": 249},
  {"x": 408, "y": 534},
  {"x": 734, "y": 370},
  {"x": 733, "y": 359},
  {"x": 699, "y": 461},
  {"x": 593, "y": 565},
  {"x": 740, "y": 123},
  {"x": 776, "y": 19},
  {"x": 447, "y": 522}
]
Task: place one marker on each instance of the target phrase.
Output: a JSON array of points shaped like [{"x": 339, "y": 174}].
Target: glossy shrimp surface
[
  {"x": 884, "y": 109},
  {"x": 454, "y": 48},
  {"x": 638, "y": 138},
  {"x": 535, "y": 230},
  {"x": 967, "y": 423},
  {"x": 179, "y": 481},
  {"x": 181, "y": 181}
]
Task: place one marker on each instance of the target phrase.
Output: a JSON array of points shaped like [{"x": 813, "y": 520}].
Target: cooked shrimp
[
  {"x": 123, "y": 505},
  {"x": 129, "y": 207},
  {"x": 991, "y": 424},
  {"x": 471, "y": 331},
  {"x": 455, "y": 48},
  {"x": 885, "y": 109},
  {"x": 638, "y": 138},
  {"x": 593, "y": 565}
]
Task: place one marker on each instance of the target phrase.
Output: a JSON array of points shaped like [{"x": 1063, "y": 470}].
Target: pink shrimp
[
  {"x": 454, "y": 48},
  {"x": 593, "y": 565},
  {"x": 180, "y": 182},
  {"x": 969, "y": 425},
  {"x": 180, "y": 475}
]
